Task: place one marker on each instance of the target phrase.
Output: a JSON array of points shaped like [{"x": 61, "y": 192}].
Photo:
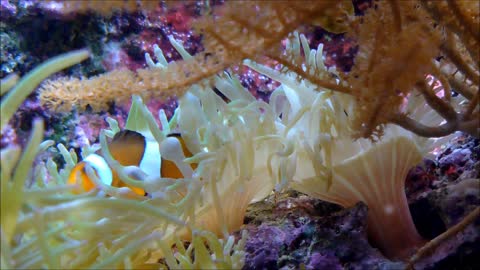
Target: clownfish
[{"x": 130, "y": 148}]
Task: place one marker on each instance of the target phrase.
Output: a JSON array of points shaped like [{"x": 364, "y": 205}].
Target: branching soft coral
[
  {"x": 228, "y": 39},
  {"x": 400, "y": 43},
  {"x": 105, "y": 7}
]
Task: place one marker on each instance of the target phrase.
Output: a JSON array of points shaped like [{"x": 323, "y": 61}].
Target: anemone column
[{"x": 375, "y": 174}]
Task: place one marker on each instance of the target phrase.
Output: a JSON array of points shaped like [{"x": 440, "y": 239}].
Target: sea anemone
[
  {"x": 329, "y": 165},
  {"x": 224, "y": 136},
  {"x": 48, "y": 225}
]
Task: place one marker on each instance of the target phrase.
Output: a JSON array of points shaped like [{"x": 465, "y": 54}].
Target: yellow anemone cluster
[{"x": 46, "y": 225}]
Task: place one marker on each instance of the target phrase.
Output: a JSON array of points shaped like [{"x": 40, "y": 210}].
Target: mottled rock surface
[
  {"x": 298, "y": 231},
  {"x": 294, "y": 231}
]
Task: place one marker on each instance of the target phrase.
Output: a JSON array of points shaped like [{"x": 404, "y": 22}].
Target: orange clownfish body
[
  {"x": 129, "y": 148},
  {"x": 169, "y": 169}
]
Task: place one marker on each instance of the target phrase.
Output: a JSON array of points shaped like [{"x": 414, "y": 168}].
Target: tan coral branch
[
  {"x": 434, "y": 243},
  {"x": 439, "y": 105},
  {"x": 421, "y": 129}
]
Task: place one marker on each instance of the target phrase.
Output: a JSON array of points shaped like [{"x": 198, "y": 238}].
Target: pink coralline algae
[
  {"x": 141, "y": 32},
  {"x": 455, "y": 162},
  {"x": 8, "y": 136},
  {"x": 420, "y": 178},
  {"x": 460, "y": 159}
]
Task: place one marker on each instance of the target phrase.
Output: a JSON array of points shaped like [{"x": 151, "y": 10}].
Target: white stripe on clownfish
[
  {"x": 100, "y": 166},
  {"x": 151, "y": 161}
]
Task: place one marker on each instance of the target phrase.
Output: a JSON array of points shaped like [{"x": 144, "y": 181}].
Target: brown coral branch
[
  {"x": 434, "y": 243},
  {"x": 460, "y": 87},
  {"x": 439, "y": 105},
  {"x": 374, "y": 56},
  {"x": 228, "y": 40},
  {"x": 452, "y": 52},
  {"x": 313, "y": 78},
  {"x": 464, "y": 19},
  {"x": 441, "y": 13},
  {"x": 457, "y": 80},
  {"x": 266, "y": 29},
  {"x": 387, "y": 66},
  {"x": 397, "y": 17},
  {"x": 471, "y": 126},
  {"x": 421, "y": 129},
  {"x": 473, "y": 104}
]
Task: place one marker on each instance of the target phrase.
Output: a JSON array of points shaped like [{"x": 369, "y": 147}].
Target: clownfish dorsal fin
[
  {"x": 176, "y": 135},
  {"x": 128, "y": 135},
  {"x": 128, "y": 147}
]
